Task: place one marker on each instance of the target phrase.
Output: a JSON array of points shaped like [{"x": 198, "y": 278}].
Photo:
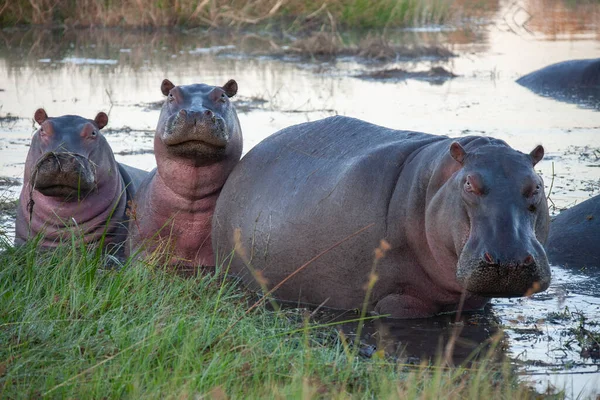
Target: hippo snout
[
  {"x": 196, "y": 126},
  {"x": 491, "y": 275},
  {"x": 63, "y": 174}
]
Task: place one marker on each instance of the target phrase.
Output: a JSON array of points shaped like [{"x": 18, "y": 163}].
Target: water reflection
[
  {"x": 463, "y": 338},
  {"x": 562, "y": 19}
]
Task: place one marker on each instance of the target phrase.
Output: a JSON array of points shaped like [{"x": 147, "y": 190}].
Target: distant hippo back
[
  {"x": 576, "y": 81},
  {"x": 456, "y": 217},
  {"x": 574, "y": 239},
  {"x": 198, "y": 142},
  {"x": 73, "y": 185}
]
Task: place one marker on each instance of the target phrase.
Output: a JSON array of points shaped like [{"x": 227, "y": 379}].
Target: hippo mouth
[
  {"x": 65, "y": 191},
  {"x": 215, "y": 144},
  {"x": 200, "y": 142},
  {"x": 494, "y": 280},
  {"x": 65, "y": 175}
]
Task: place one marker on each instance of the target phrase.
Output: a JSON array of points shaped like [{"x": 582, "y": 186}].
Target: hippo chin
[
  {"x": 73, "y": 184},
  {"x": 575, "y": 235},
  {"x": 197, "y": 143},
  {"x": 458, "y": 217},
  {"x": 573, "y": 81}
]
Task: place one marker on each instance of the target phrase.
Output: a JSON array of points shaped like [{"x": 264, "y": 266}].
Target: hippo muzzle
[
  {"x": 63, "y": 174},
  {"x": 194, "y": 132},
  {"x": 487, "y": 274}
]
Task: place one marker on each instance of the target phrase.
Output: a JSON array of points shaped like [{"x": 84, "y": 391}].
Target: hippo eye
[
  {"x": 532, "y": 208},
  {"x": 223, "y": 98},
  {"x": 171, "y": 97},
  {"x": 94, "y": 133}
]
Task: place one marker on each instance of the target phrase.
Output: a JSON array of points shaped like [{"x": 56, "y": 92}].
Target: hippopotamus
[
  {"x": 74, "y": 185},
  {"x": 574, "y": 81},
  {"x": 197, "y": 143},
  {"x": 574, "y": 239},
  {"x": 426, "y": 219}
]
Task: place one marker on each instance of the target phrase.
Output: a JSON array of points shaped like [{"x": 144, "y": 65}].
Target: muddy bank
[{"x": 436, "y": 75}]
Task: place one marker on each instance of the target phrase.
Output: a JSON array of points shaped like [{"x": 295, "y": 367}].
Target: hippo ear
[
  {"x": 40, "y": 115},
  {"x": 230, "y": 88},
  {"x": 166, "y": 86},
  {"x": 537, "y": 154},
  {"x": 101, "y": 120},
  {"x": 457, "y": 152}
]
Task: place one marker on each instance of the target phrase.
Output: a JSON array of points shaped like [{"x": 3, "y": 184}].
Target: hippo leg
[{"x": 404, "y": 306}]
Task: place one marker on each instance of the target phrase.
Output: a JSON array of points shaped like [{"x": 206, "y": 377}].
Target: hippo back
[
  {"x": 132, "y": 178},
  {"x": 573, "y": 81},
  {"x": 574, "y": 237}
]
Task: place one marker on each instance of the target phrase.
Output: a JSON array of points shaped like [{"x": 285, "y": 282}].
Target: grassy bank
[
  {"x": 223, "y": 13},
  {"x": 71, "y": 330}
]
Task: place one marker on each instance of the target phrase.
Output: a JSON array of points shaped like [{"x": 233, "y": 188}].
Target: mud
[{"x": 435, "y": 75}]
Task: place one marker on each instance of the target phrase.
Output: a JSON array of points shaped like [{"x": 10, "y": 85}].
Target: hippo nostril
[
  {"x": 488, "y": 258},
  {"x": 182, "y": 113},
  {"x": 209, "y": 113},
  {"x": 529, "y": 260}
]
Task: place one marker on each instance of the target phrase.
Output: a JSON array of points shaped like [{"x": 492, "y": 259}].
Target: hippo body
[
  {"x": 309, "y": 186},
  {"x": 573, "y": 81},
  {"x": 74, "y": 185},
  {"x": 198, "y": 141},
  {"x": 574, "y": 239}
]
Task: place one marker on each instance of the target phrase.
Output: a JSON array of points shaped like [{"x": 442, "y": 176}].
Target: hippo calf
[
  {"x": 573, "y": 81},
  {"x": 574, "y": 239},
  {"x": 464, "y": 216},
  {"x": 73, "y": 184},
  {"x": 197, "y": 143}
]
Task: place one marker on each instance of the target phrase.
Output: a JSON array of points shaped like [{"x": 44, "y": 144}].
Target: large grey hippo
[
  {"x": 463, "y": 215},
  {"x": 197, "y": 143},
  {"x": 73, "y": 184},
  {"x": 574, "y": 239},
  {"x": 573, "y": 81}
]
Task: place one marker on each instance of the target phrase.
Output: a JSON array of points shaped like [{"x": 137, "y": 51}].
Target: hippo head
[
  {"x": 197, "y": 122},
  {"x": 65, "y": 155},
  {"x": 492, "y": 211}
]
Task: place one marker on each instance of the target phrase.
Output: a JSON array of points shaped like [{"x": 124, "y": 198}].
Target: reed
[{"x": 223, "y": 13}]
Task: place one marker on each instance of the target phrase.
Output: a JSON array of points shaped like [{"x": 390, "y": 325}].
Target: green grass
[{"x": 71, "y": 329}]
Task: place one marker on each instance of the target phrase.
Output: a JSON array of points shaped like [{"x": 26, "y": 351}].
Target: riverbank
[{"x": 71, "y": 328}]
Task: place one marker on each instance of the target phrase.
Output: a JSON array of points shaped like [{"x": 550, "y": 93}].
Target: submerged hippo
[
  {"x": 197, "y": 143},
  {"x": 574, "y": 239},
  {"x": 574, "y": 81},
  {"x": 463, "y": 215},
  {"x": 73, "y": 185}
]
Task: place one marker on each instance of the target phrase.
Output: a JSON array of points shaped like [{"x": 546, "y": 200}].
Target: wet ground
[{"x": 448, "y": 80}]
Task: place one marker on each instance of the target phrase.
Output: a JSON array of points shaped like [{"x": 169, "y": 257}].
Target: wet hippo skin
[
  {"x": 465, "y": 215},
  {"x": 197, "y": 143},
  {"x": 574, "y": 81},
  {"x": 574, "y": 239},
  {"x": 74, "y": 185}
]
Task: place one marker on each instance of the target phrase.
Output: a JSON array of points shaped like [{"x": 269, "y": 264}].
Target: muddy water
[{"x": 118, "y": 72}]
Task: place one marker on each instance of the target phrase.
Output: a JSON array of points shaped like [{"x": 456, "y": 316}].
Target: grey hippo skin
[
  {"x": 574, "y": 239},
  {"x": 465, "y": 215},
  {"x": 73, "y": 184},
  {"x": 197, "y": 143},
  {"x": 574, "y": 81}
]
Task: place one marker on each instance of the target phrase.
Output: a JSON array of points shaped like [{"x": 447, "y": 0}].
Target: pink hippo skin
[
  {"x": 73, "y": 185},
  {"x": 198, "y": 141}
]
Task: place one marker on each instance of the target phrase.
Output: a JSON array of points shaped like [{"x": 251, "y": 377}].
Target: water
[{"x": 83, "y": 72}]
